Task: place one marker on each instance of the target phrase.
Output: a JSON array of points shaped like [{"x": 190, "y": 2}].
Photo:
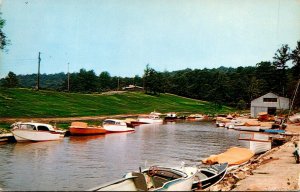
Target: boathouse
[{"x": 269, "y": 103}]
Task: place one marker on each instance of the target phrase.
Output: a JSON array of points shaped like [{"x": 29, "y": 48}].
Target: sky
[{"x": 123, "y": 36}]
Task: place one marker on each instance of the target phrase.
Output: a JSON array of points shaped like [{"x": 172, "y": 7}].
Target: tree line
[{"x": 230, "y": 86}]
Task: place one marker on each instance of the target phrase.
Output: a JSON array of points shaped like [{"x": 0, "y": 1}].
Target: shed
[{"x": 269, "y": 103}]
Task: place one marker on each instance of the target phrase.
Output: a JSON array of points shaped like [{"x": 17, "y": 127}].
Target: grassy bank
[{"x": 31, "y": 103}]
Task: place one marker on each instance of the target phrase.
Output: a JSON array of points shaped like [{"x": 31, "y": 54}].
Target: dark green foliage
[
  {"x": 10, "y": 80},
  {"x": 280, "y": 59},
  {"x": 295, "y": 57},
  {"x": 3, "y": 39},
  {"x": 221, "y": 86}
]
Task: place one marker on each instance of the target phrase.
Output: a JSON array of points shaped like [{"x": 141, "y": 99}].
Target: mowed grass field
[{"x": 17, "y": 102}]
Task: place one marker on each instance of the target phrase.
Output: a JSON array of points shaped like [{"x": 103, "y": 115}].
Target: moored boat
[
  {"x": 209, "y": 176},
  {"x": 30, "y": 131},
  {"x": 275, "y": 131},
  {"x": 156, "y": 178},
  {"x": 172, "y": 116},
  {"x": 256, "y": 142},
  {"x": 82, "y": 128},
  {"x": 115, "y": 125},
  {"x": 195, "y": 117},
  {"x": 153, "y": 117}
]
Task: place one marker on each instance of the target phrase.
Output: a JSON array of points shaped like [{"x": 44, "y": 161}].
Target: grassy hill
[{"x": 31, "y": 103}]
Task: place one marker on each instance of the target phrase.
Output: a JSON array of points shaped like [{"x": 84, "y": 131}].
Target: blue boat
[{"x": 274, "y": 131}]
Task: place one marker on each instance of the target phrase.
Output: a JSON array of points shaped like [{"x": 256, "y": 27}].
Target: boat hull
[
  {"x": 165, "y": 179},
  {"x": 150, "y": 121},
  {"x": 86, "y": 130},
  {"x": 257, "y": 146},
  {"x": 207, "y": 177},
  {"x": 117, "y": 128},
  {"x": 32, "y": 135}
]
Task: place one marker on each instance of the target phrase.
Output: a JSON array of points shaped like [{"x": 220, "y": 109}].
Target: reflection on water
[{"x": 82, "y": 162}]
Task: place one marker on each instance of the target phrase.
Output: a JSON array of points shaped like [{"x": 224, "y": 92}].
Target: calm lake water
[{"x": 80, "y": 163}]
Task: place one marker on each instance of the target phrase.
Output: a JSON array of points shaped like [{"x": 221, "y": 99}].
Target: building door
[{"x": 271, "y": 110}]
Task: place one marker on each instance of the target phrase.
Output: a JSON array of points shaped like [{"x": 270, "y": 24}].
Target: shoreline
[{"x": 261, "y": 173}]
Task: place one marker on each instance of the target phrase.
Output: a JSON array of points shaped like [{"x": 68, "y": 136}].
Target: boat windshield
[
  {"x": 27, "y": 127},
  {"x": 43, "y": 128},
  {"x": 111, "y": 122}
]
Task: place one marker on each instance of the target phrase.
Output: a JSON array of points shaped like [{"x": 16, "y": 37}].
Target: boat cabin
[
  {"x": 113, "y": 122},
  {"x": 33, "y": 126}
]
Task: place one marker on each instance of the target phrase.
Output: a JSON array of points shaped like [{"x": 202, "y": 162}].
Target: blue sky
[{"x": 123, "y": 36}]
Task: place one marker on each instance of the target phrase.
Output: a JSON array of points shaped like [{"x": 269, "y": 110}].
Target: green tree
[
  {"x": 3, "y": 39},
  {"x": 280, "y": 59},
  {"x": 104, "y": 81},
  {"x": 152, "y": 81},
  {"x": 10, "y": 80},
  {"x": 295, "y": 56},
  {"x": 265, "y": 72}
]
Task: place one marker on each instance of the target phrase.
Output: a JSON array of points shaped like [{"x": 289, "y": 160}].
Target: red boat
[{"x": 81, "y": 128}]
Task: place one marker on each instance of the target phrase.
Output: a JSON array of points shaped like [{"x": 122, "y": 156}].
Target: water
[{"x": 80, "y": 163}]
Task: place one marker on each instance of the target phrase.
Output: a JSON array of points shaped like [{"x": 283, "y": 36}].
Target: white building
[{"x": 269, "y": 103}]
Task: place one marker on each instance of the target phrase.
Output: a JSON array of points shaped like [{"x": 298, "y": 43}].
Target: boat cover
[{"x": 233, "y": 156}]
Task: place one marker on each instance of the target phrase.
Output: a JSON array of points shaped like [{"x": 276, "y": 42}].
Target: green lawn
[{"x": 31, "y": 103}]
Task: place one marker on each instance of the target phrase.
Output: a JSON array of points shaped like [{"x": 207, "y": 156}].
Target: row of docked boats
[
  {"x": 32, "y": 131},
  {"x": 254, "y": 135}
]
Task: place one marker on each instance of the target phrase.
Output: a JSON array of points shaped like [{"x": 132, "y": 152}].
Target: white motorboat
[
  {"x": 115, "y": 125},
  {"x": 153, "y": 117},
  {"x": 156, "y": 178},
  {"x": 29, "y": 131},
  {"x": 256, "y": 142}
]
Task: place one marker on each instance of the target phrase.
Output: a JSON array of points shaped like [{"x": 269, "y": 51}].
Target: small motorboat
[
  {"x": 115, "y": 126},
  {"x": 156, "y": 178},
  {"x": 153, "y": 117},
  {"x": 81, "y": 128},
  {"x": 195, "y": 117},
  {"x": 30, "y": 131},
  {"x": 209, "y": 176}
]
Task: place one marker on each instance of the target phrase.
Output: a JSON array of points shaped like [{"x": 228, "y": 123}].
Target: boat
[
  {"x": 256, "y": 142},
  {"x": 209, "y": 176},
  {"x": 195, "y": 117},
  {"x": 156, "y": 178},
  {"x": 31, "y": 131},
  {"x": 231, "y": 124},
  {"x": 276, "y": 131},
  {"x": 82, "y": 128},
  {"x": 153, "y": 117},
  {"x": 221, "y": 121},
  {"x": 116, "y": 125},
  {"x": 172, "y": 116},
  {"x": 250, "y": 128},
  {"x": 233, "y": 156}
]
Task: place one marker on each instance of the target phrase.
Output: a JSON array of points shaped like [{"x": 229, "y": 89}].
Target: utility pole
[
  {"x": 38, "y": 75},
  {"x": 68, "y": 79}
]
